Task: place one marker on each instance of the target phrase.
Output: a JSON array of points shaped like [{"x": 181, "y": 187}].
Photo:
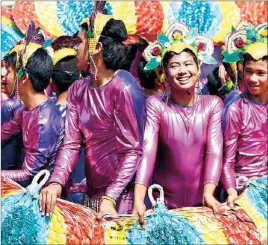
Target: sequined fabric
[
  {"x": 245, "y": 137},
  {"x": 110, "y": 119},
  {"x": 42, "y": 130},
  {"x": 182, "y": 148}
]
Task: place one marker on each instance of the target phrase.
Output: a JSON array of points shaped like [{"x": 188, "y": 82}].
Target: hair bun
[{"x": 116, "y": 30}]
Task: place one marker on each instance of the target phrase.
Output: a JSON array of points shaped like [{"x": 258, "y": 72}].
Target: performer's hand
[
  {"x": 48, "y": 197},
  {"x": 211, "y": 202},
  {"x": 232, "y": 195},
  {"x": 139, "y": 209},
  {"x": 106, "y": 207}
]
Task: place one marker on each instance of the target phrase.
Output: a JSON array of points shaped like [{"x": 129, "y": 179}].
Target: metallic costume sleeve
[
  {"x": 150, "y": 142},
  {"x": 231, "y": 129},
  {"x": 42, "y": 135},
  {"x": 214, "y": 146},
  {"x": 129, "y": 134},
  {"x": 68, "y": 154},
  {"x": 12, "y": 127}
]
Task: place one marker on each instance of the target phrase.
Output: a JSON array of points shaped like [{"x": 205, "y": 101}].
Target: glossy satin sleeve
[
  {"x": 12, "y": 127},
  {"x": 46, "y": 140},
  {"x": 150, "y": 142},
  {"x": 231, "y": 130},
  {"x": 128, "y": 140},
  {"x": 214, "y": 146},
  {"x": 68, "y": 154}
]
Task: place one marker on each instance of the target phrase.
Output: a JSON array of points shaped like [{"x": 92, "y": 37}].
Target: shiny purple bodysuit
[
  {"x": 42, "y": 131},
  {"x": 110, "y": 119},
  {"x": 189, "y": 145},
  {"x": 245, "y": 141}
]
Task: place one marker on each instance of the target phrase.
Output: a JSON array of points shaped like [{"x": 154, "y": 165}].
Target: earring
[
  {"x": 236, "y": 79},
  {"x": 95, "y": 67}
]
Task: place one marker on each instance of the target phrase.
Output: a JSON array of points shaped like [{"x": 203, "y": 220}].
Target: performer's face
[
  {"x": 82, "y": 51},
  {"x": 8, "y": 76},
  {"x": 182, "y": 72},
  {"x": 256, "y": 76}
]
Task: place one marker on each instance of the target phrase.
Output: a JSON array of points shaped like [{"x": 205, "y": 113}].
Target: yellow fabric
[
  {"x": 125, "y": 11},
  {"x": 16, "y": 49},
  {"x": 260, "y": 222},
  {"x": 257, "y": 50},
  {"x": 211, "y": 232},
  {"x": 30, "y": 49},
  {"x": 178, "y": 47},
  {"x": 62, "y": 53},
  {"x": 46, "y": 12},
  {"x": 58, "y": 229},
  {"x": 99, "y": 23},
  {"x": 230, "y": 17}
]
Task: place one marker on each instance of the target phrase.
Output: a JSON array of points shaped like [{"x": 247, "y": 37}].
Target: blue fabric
[
  {"x": 12, "y": 153},
  {"x": 138, "y": 99}
]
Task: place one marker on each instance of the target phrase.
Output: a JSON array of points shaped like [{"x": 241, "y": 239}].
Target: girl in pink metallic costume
[{"x": 183, "y": 138}]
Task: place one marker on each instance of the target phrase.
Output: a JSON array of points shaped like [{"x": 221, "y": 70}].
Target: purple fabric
[
  {"x": 77, "y": 187},
  {"x": 42, "y": 130},
  {"x": 12, "y": 153},
  {"x": 111, "y": 121},
  {"x": 245, "y": 140},
  {"x": 189, "y": 144}
]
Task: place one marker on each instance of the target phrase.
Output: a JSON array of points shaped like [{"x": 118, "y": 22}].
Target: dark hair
[
  {"x": 65, "y": 73},
  {"x": 170, "y": 54},
  {"x": 116, "y": 55},
  {"x": 11, "y": 59},
  {"x": 39, "y": 68},
  {"x": 213, "y": 83},
  {"x": 147, "y": 77},
  {"x": 248, "y": 57}
]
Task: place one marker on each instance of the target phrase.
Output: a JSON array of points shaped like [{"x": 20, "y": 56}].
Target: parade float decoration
[
  {"x": 23, "y": 223},
  {"x": 213, "y": 19}
]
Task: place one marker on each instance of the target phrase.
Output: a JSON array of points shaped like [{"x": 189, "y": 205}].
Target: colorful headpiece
[
  {"x": 246, "y": 39},
  {"x": 96, "y": 22},
  {"x": 177, "y": 38},
  {"x": 63, "y": 47},
  {"x": 34, "y": 39}
]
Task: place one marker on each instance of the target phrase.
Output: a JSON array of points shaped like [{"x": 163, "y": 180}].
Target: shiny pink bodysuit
[
  {"x": 111, "y": 121},
  {"x": 245, "y": 141},
  {"x": 189, "y": 144}
]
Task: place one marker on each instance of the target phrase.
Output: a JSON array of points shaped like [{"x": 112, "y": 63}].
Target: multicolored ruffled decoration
[
  {"x": 177, "y": 38},
  {"x": 246, "y": 39},
  {"x": 10, "y": 33},
  {"x": 72, "y": 223}
]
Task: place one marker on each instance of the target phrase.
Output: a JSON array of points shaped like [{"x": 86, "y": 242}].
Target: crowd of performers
[{"x": 105, "y": 135}]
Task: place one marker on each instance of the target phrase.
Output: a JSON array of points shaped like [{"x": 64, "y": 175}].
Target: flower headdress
[
  {"x": 177, "y": 38},
  {"x": 96, "y": 22},
  {"x": 246, "y": 39},
  {"x": 64, "y": 46},
  {"x": 34, "y": 39}
]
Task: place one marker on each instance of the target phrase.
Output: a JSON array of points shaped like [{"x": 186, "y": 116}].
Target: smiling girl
[{"x": 186, "y": 127}]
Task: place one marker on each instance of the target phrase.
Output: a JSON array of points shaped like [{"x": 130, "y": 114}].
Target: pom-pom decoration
[{"x": 71, "y": 223}]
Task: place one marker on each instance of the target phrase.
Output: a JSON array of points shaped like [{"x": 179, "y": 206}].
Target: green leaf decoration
[
  {"x": 152, "y": 64},
  {"x": 252, "y": 33},
  {"x": 233, "y": 28},
  {"x": 209, "y": 60},
  {"x": 229, "y": 58},
  {"x": 21, "y": 72},
  {"x": 90, "y": 33},
  {"x": 48, "y": 43},
  {"x": 162, "y": 39}
]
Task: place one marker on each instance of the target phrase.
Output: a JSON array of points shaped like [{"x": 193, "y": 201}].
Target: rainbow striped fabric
[{"x": 22, "y": 222}]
